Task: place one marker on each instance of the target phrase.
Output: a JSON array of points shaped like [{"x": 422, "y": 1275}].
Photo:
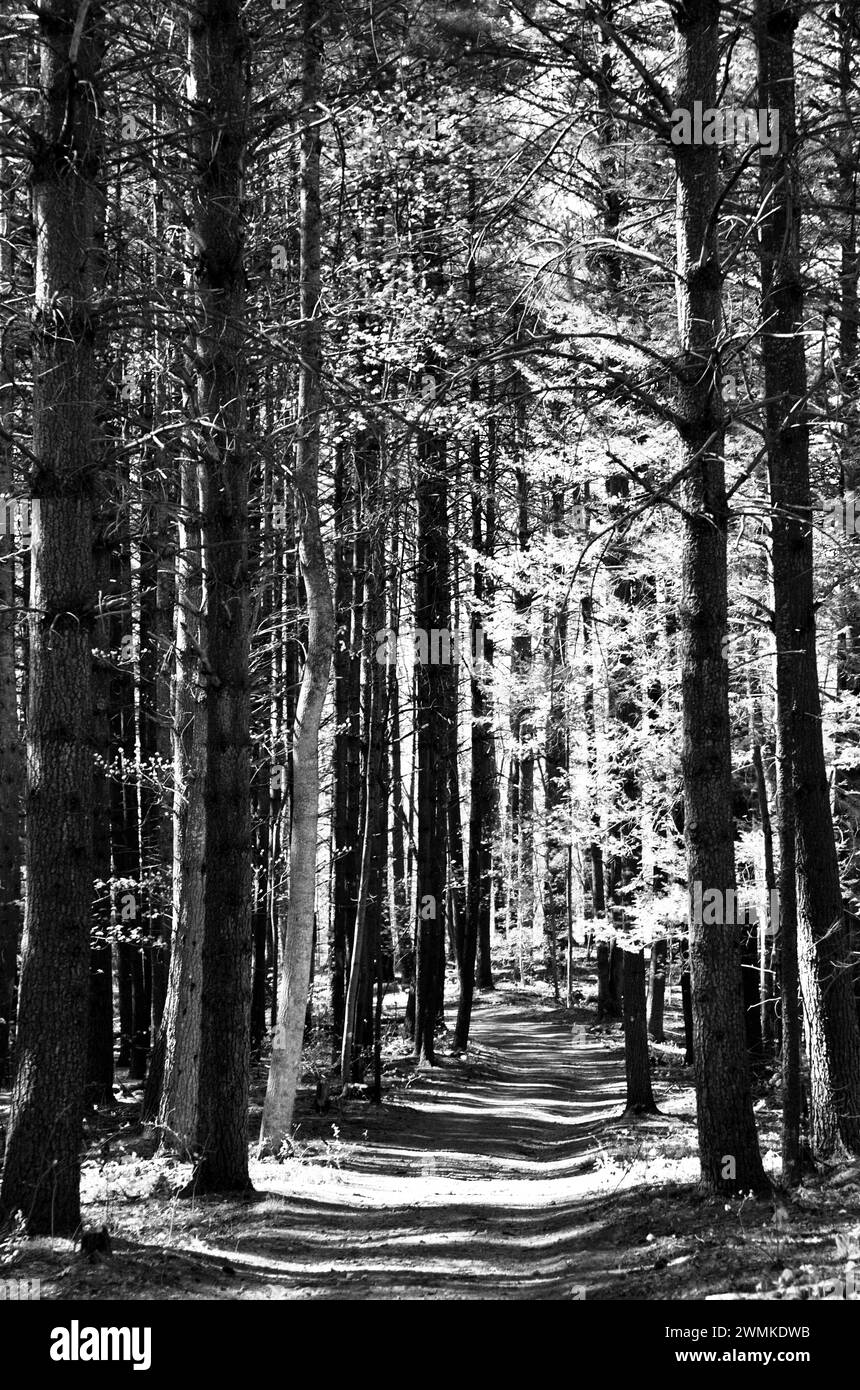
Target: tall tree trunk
[
  {"x": 11, "y": 762},
  {"x": 491, "y": 827},
  {"x": 789, "y": 970},
  {"x": 178, "y": 1044},
  {"x": 608, "y": 1005},
  {"x": 218, "y": 61},
  {"x": 366, "y": 943},
  {"x": 823, "y": 939},
  {"x": 482, "y": 777},
  {"x": 125, "y": 840},
  {"x": 287, "y": 1049},
  {"x": 158, "y": 612},
  {"x": 432, "y": 703},
  {"x": 366, "y": 934},
  {"x": 41, "y": 1176},
  {"x": 768, "y": 975},
  {"x": 435, "y": 701},
  {"x": 728, "y": 1144},
  {"x": 556, "y": 758},
  {"x": 100, "y": 1058},
  {"x": 349, "y": 567},
  {"x": 522, "y": 713}
]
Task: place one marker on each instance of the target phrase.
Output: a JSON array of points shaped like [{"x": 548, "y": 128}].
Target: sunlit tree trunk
[{"x": 287, "y": 1049}]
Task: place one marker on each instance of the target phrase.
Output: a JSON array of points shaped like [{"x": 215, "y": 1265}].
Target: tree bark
[
  {"x": 728, "y": 1144},
  {"x": 522, "y": 712},
  {"x": 349, "y": 571},
  {"x": 556, "y": 761},
  {"x": 825, "y": 972},
  {"x": 640, "y": 1097},
  {"x": 11, "y": 761},
  {"x": 491, "y": 829},
  {"x": 287, "y": 1050},
  {"x": 657, "y": 991},
  {"x": 432, "y": 679},
  {"x": 41, "y": 1176}
]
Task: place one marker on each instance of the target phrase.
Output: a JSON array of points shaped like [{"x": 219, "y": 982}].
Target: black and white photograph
[{"x": 429, "y": 672}]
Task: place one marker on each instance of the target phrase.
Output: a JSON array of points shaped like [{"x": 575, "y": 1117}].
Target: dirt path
[
  {"x": 469, "y": 1178},
  {"x": 512, "y": 1174},
  {"x": 476, "y": 1179},
  {"x": 509, "y": 1175}
]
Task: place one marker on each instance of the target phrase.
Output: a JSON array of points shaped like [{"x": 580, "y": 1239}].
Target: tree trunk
[
  {"x": 556, "y": 758},
  {"x": 823, "y": 940},
  {"x": 768, "y": 982},
  {"x": 11, "y": 761},
  {"x": 287, "y": 1050},
  {"x": 432, "y": 679},
  {"x": 41, "y": 1176},
  {"x": 491, "y": 828},
  {"x": 522, "y": 713},
  {"x": 482, "y": 776},
  {"x": 349, "y": 566},
  {"x": 366, "y": 951},
  {"x": 640, "y": 1097},
  {"x": 728, "y": 1144},
  {"x": 125, "y": 839},
  {"x": 218, "y": 61},
  {"x": 178, "y": 1044},
  {"x": 100, "y": 1040},
  {"x": 789, "y": 971},
  {"x": 435, "y": 701},
  {"x": 366, "y": 934},
  {"x": 657, "y": 990},
  {"x": 161, "y": 840},
  {"x": 687, "y": 1001}
]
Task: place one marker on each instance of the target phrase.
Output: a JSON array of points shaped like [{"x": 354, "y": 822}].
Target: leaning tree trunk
[
  {"x": 41, "y": 1176},
  {"x": 823, "y": 953},
  {"x": 287, "y": 1049},
  {"x": 728, "y": 1144}
]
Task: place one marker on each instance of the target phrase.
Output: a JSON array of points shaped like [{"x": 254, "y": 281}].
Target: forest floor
[{"x": 512, "y": 1173}]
